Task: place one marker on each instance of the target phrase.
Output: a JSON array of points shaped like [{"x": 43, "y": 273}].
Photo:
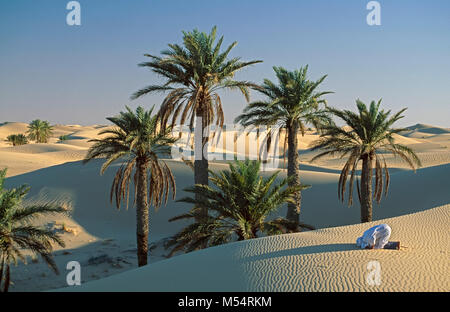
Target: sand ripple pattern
[{"x": 321, "y": 260}]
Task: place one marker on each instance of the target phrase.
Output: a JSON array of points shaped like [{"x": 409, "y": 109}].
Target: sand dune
[
  {"x": 322, "y": 260},
  {"x": 429, "y": 129},
  {"x": 434, "y": 149},
  {"x": 55, "y": 170},
  {"x": 90, "y": 194},
  {"x": 39, "y": 148},
  {"x": 83, "y": 143},
  {"x": 12, "y": 128},
  {"x": 93, "y": 213},
  {"x": 32, "y": 156},
  {"x": 404, "y": 140}
]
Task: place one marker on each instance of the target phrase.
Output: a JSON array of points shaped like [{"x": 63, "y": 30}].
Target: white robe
[{"x": 375, "y": 237}]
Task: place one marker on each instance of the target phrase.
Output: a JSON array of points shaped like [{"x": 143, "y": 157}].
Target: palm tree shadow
[{"x": 307, "y": 250}]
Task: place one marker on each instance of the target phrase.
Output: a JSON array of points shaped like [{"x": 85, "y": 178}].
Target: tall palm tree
[
  {"x": 238, "y": 205},
  {"x": 194, "y": 73},
  {"x": 370, "y": 137},
  {"x": 39, "y": 131},
  {"x": 17, "y": 233},
  {"x": 139, "y": 141},
  {"x": 290, "y": 105}
]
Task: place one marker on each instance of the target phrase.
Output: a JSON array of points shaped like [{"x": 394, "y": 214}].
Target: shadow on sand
[{"x": 306, "y": 250}]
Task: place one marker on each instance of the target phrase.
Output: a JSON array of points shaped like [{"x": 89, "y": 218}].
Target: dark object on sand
[{"x": 392, "y": 245}]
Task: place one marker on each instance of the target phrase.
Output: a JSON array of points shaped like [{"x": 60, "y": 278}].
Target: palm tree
[
  {"x": 238, "y": 206},
  {"x": 39, "y": 131},
  {"x": 138, "y": 139},
  {"x": 290, "y": 105},
  {"x": 194, "y": 73},
  {"x": 370, "y": 137},
  {"x": 17, "y": 233},
  {"x": 17, "y": 139}
]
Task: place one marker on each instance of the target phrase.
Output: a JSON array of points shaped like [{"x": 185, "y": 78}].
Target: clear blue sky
[{"x": 81, "y": 74}]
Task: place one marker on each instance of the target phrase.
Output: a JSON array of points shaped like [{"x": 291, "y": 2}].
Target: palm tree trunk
[
  {"x": 2, "y": 266},
  {"x": 293, "y": 213},
  {"x": 201, "y": 161},
  {"x": 240, "y": 235},
  {"x": 7, "y": 278},
  {"x": 366, "y": 188},
  {"x": 142, "y": 213}
]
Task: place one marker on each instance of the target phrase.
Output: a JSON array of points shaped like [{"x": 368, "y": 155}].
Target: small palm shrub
[
  {"x": 17, "y": 139},
  {"x": 63, "y": 138},
  {"x": 238, "y": 204}
]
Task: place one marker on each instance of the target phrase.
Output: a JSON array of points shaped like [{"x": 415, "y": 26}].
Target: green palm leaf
[{"x": 238, "y": 202}]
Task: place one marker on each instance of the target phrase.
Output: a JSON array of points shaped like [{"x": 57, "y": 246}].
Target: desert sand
[
  {"x": 321, "y": 260},
  {"x": 102, "y": 238}
]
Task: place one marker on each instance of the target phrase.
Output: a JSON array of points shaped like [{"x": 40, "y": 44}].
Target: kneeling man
[{"x": 375, "y": 238}]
